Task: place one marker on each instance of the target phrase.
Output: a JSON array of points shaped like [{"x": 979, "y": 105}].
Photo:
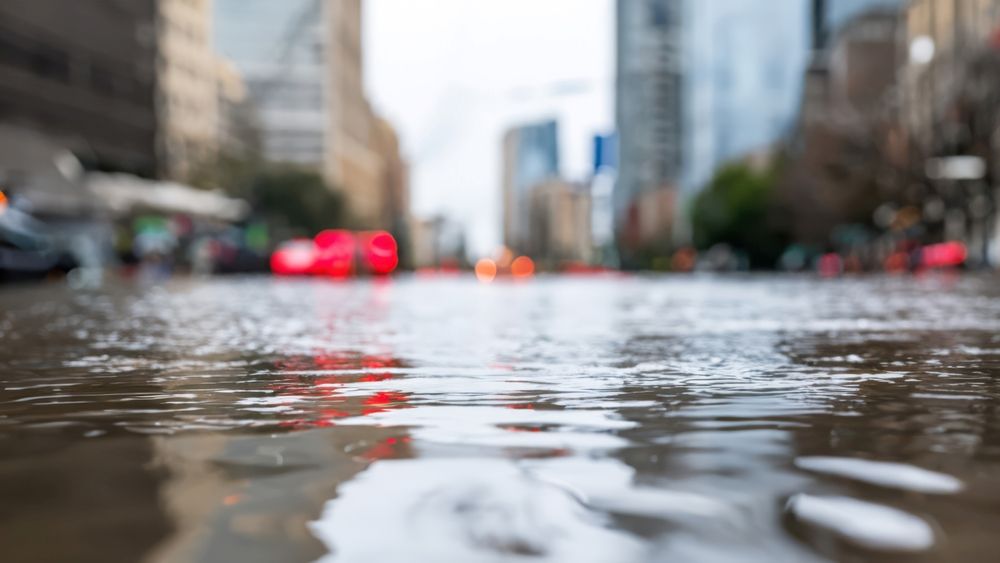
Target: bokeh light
[
  {"x": 486, "y": 270},
  {"x": 522, "y": 267}
]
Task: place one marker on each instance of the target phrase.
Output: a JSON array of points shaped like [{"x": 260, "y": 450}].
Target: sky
[{"x": 453, "y": 75}]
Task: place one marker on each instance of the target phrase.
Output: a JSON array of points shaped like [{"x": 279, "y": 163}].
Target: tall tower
[{"x": 650, "y": 121}]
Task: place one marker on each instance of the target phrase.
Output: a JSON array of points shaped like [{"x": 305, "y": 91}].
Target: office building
[
  {"x": 302, "y": 63},
  {"x": 188, "y": 94},
  {"x": 84, "y": 74},
  {"x": 530, "y": 157},
  {"x": 649, "y": 114}
]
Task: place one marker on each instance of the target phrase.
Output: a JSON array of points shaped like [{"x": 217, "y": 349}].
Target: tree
[
  {"x": 738, "y": 209},
  {"x": 293, "y": 200},
  {"x": 297, "y": 199}
]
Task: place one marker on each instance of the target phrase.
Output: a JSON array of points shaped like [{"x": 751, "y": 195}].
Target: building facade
[
  {"x": 941, "y": 37},
  {"x": 84, "y": 74},
  {"x": 188, "y": 89},
  {"x": 530, "y": 157},
  {"x": 280, "y": 49},
  {"x": 560, "y": 215},
  {"x": 649, "y": 115},
  {"x": 951, "y": 108},
  {"x": 303, "y": 66}
]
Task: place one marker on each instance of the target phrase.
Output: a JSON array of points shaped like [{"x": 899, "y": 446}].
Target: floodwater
[{"x": 608, "y": 420}]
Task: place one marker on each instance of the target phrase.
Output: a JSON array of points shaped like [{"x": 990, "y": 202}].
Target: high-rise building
[
  {"x": 280, "y": 48},
  {"x": 530, "y": 157},
  {"x": 187, "y": 100},
  {"x": 84, "y": 74},
  {"x": 744, "y": 74},
  {"x": 354, "y": 163},
  {"x": 702, "y": 83},
  {"x": 650, "y": 87},
  {"x": 302, "y": 61}
]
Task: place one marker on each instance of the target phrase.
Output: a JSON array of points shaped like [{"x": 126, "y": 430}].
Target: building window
[{"x": 660, "y": 12}]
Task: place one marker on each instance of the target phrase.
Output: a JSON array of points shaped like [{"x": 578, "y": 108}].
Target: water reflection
[{"x": 626, "y": 420}]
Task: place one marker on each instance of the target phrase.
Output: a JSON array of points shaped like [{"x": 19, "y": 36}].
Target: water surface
[{"x": 608, "y": 419}]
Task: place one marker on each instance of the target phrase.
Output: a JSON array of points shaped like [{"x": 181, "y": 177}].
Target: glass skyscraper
[{"x": 280, "y": 48}]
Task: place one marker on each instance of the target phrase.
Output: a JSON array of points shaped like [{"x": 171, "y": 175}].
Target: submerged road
[{"x": 607, "y": 419}]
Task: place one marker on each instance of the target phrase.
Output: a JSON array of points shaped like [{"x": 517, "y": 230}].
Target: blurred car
[
  {"x": 27, "y": 250},
  {"x": 337, "y": 254}
]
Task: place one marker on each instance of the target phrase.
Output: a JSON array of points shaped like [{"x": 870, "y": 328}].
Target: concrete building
[
  {"x": 840, "y": 150},
  {"x": 237, "y": 124},
  {"x": 560, "y": 215},
  {"x": 303, "y": 66},
  {"x": 437, "y": 242},
  {"x": 354, "y": 164},
  {"x": 188, "y": 95},
  {"x": 530, "y": 157},
  {"x": 394, "y": 204},
  {"x": 84, "y": 74}
]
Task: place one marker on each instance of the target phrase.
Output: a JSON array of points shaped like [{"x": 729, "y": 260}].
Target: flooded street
[{"x": 609, "y": 419}]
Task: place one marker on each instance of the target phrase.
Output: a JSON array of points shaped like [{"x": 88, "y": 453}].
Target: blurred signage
[{"x": 956, "y": 168}]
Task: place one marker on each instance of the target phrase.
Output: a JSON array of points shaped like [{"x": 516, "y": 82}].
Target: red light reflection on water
[
  {"x": 393, "y": 447},
  {"x": 322, "y": 396}
]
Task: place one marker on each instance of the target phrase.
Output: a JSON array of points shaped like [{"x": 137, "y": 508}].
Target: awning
[{"x": 125, "y": 194}]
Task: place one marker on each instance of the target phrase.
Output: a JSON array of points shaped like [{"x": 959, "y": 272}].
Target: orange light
[
  {"x": 3, "y": 202},
  {"x": 486, "y": 270},
  {"x": 522, "y": 267}
]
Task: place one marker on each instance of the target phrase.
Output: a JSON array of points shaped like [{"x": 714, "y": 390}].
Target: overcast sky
[{"x": 452, "y": 75}]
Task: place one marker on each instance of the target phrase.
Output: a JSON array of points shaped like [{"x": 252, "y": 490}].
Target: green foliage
[
  {"x": 738, "y": 209},
  {"x": 293, "y": 200},
  {"x": 297, "y": 199}
]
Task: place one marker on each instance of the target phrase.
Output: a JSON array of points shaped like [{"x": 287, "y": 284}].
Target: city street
[{"x": 590, "y": 418}]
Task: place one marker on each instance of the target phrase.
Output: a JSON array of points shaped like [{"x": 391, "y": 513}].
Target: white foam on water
[
  {"x": 464, "y": 510},
  {"x": 873, "y": 526},
  {"x": 885, "y": 474}
]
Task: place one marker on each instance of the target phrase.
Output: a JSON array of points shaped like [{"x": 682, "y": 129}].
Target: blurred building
[
  {"x": 84, "y": 74},
  {"x": 942, "y": 36},
  {"x": 354, "y": 165},
  {"x": 560, "y": 216},
  {"x": 237, "y": 124},
  {"x": 744, "y": 66},
  {"x": 530, "y": 157},
  {"x": 602, "y": 183},
  {"x": 394, "y": 197},
  {"x": 188, "y": 94},
  {"x": 950, "y": 102},
  {"x": 649, "y": 118},
  {"x": 279, "y": 48},
  {"x": 303, "y": 64},
  {"x": 437, "y": 242},
  {"x": 840, "y": 166}
]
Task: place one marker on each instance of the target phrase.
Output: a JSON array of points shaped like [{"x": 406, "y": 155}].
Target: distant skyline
[{"x": 453, "y": 75}]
